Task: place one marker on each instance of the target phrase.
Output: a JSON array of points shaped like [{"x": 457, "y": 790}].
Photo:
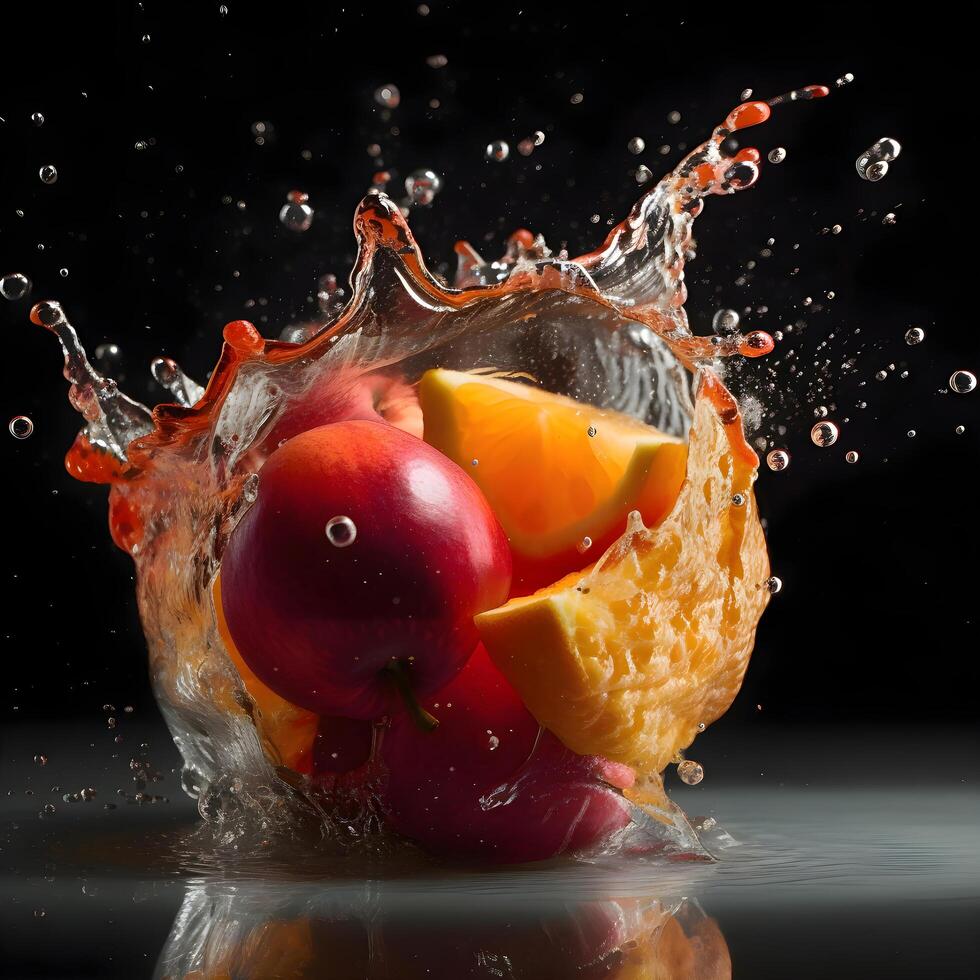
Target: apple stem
[{"x": 398, "y": 671}]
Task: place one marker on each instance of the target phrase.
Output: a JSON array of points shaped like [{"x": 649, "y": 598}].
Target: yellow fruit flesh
[
  {"x": 629, "y": 657},
  {"x": 549, "y": 481}
]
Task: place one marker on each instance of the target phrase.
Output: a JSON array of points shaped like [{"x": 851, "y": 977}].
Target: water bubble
[
  {"x": 962, "y": 382},
  {"x": 701, "y": 726},
  {"x": 37, "y": 118},
  {"x": 738, "y": 499},
  {"x": 48, "y": 173},
  {"x": 725, "y": 322},
  {"x": 388, "y": 96},
  {"x": 583, "y": 546},
  {"x": 636, "y": 145},
  {"x": 474, "y": 462},
  {"x": 14, "y": 286},
  {"x": 774, "y": 584},
  {"x": 852, "y": 456},
  {"x": 873, "y": 163},
  {"x": 691, "y": 772},
  {"x": 777, "y": 155},
  {"x": 889, "y": 219},
  {"x": 422, "y": 186},
  {"x": 250, "y": 488},
  {"x": 824, "y": 434},
  {"x": 296, "y": 214},
  {"x": 778, "y": 459},
  {"x": 498, "y": 150},
  {"x": 915, "y": 336},
  {"x": 21, "y": 427},
  {"x": 592, "y": 431},
  {"x": 341, "y": 531}
]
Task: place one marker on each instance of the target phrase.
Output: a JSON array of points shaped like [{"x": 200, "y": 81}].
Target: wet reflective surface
[{"x": 855, "y": 856}]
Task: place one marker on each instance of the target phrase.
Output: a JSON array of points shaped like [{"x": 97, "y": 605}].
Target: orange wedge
[
  {"x": 628, "y": 658},
  {"x": 287, "y": 730},
  {"x": 560, "y": 475}
]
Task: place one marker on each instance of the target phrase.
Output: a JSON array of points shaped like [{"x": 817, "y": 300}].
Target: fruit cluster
[{"x": 378, "y": 599}]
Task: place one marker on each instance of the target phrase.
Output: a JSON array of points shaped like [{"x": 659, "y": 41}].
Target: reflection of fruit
[
  {"x": 287, "y": 729},
  {"x": 321, "y": 614},
  {"x": 627, "y": 659},
  {"x": 473, "y": 788},
  {"x": 554, "y": 470}
]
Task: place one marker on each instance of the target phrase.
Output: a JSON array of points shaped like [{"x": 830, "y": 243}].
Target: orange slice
[
  {"x": 555, "y": 471},
  {"x": 628, "y": 658},
  {"x": 288, "y": 731}
]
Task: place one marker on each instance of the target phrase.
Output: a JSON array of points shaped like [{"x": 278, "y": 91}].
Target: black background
[{"x": 876, "y": 621}]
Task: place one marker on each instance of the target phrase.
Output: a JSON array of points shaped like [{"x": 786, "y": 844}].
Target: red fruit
[
  {"x": 322, "y": 616},
  {"x": 533, "y": 806}
]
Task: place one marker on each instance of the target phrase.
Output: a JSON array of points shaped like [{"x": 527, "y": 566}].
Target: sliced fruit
[
  {"x": 556, "y": 471},
  {"x": 629, "y": 658},
  {"x": 287, "y": 729}
]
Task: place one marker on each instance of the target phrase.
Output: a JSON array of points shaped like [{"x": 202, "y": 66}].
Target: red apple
[
  {"x": 486, "y": 785},
  {"x": 359, "y": 568}
]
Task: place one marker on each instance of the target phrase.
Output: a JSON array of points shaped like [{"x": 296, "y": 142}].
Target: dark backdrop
[{"x": 876, "y": 619}]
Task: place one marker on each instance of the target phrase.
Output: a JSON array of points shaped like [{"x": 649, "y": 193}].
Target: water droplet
[
  {"x": 48, "y": 173},
  {"x": 88, "y": 794},
  {"x": 873, "y": 163},
  {"x": 146, "y": 39},
  {"x": 37, "y": 118},
  {"x": 437, "y": 61},
  {"x": 915, "y": 336},
  {"x": 960, "y": 429},
  {"x": 498, "y": 150},
  {"x": 880, "y": 375},
  {"x": 341, "y": 531},
  {"x": 774, "y": 584},
  {"x": 673, "y": 117},
  {"x": 388, "y": 96},
  {"x": 592, "y": 431},
  {"x": 962, "y": 382},
  {"x": 526, "y": 147},
  {"x": 583, "y": 546},
  {"x": 643, "y": 174},
  {"x": 41, "y": 760},
  {"x": 746, "y": 94},
  {"x": 824, "y": 434},
  {"x": 493, "y": 742},
  {"x": 821, "y": 411},
  {"x": 577, "y": 98},
  {"x": 474, "y": 462},
  {"x": 852, "y": 456},
  {"x": 725, "y": 322},
  {"x": 296, "y": 214},
  {"x": 422, "y": 186},
  {"x": 738, "y": 499},
  {"x": 777, "y": 155},
  {"x": 690, "y": 772},
  {"x": 21, "y": 427},
  {"x": 836, "y": 230},
  {"x": 50, "y": 808},
  {"x": 223, "y": 10},
  {"x": 636, "y": 145},
  {"x": 845, "y": 79},
  {"x": 14, "y": 286},
  {"x": 889, "y": 219},
  {"x": 778, "y": 459},
  {"x": 250, "y": 488},
  {"x": 538, "y": 137},
  {"x": 911, "y": 433}
]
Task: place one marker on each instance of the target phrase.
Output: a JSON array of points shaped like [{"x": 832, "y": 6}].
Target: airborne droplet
[
  {"x": 725, "y": 322},
  {"x": 14, "y": 286},
  {"x": 691, "y": 772},
  {"x": 498, "y": 150},
  {"x": 778, "y": 459},
  {"x": 296, "y": 214},
  {"x": 422, "y": 186},
  {"x": 824, "y": 434},
  {"x": 48, "y": 173},
  {"x": 852, "y": 456},
  {"x": 388, "y": 96},
  {"x": 962, "y": 382},
  {"x": 915, "y": 336},
  {"x": 21, "y": 427}
]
